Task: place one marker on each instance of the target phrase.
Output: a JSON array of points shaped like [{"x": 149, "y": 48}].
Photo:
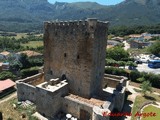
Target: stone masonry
[
  {"x": 74, "y": 80},
  {"x": 76, "y": 50}
]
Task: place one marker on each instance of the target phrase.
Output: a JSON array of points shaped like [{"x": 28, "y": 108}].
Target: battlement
[{"x": 76, "y": 23}]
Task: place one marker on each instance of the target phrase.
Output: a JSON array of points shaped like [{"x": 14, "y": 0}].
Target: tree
[
  {"x": 117, "y": 53},
  {"x": 15, "y": 66},
  {"x": 24, "y": 61},
  {"x": 155, "y": 48},
  {"x": 146, "y": 86}
]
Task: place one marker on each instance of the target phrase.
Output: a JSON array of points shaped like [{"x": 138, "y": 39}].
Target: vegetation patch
[
  {"x": 33, "y": 44},
  {"x": 12, "y": 111},
  {"x": 140, "y": 101},
  {"x": 152, "y": 109}
]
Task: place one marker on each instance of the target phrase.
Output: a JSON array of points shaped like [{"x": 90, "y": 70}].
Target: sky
[{"x": 103, "y": 2}]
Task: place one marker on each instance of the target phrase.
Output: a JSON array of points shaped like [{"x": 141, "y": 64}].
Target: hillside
[{"x": 28, "y": 15}]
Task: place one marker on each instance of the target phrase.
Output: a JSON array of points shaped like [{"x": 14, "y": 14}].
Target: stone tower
[{"x": 75, "y": 51}]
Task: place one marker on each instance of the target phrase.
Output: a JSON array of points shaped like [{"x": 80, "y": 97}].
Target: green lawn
[
  {"x": 152, "y": 109},
  {"x": 33, "y": 44},
  {"x": 140, "y": 100}
]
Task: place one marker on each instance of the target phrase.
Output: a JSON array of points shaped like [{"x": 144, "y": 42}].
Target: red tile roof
[
  {"x": 5, "y": 84},
  {"x": 30, "y": 53}
]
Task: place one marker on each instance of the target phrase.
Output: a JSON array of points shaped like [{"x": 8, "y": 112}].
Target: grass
[
  {"x": 15, "y": 114},
  {"x": 33, "y": 44},
  {"x": 140, "y": 100},
  {"x": 138, "y": 85},
  {"x": 152, "y": 109}
]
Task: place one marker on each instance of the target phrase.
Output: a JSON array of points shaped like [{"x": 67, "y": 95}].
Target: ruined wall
[
  {"x": 76, "y": 49},
  {"x": 119, "y": 99},
  {"x": 113, "y": 81},
  {"x": 49, "y": 103},
  {"x": 110, "y": 82},
  {"x": 74, "y": 107},
  {"x": 26, "y": 92},
  {"x": 26, "y": 89},
  {"x": 32, "y": 79}
]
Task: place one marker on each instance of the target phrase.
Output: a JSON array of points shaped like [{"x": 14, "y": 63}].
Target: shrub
[
  {"x": 141, "y": 79},
  {"x": 6, "y": 74},
  {"x": 115, "y": 71},
  {"x": 146, "y": 86},
  {"x": 127, "y": 59},
  {"x": 29, "y": 72},
  {"x": 134, "y": 75},
  {"x": 36, "y": 61}
]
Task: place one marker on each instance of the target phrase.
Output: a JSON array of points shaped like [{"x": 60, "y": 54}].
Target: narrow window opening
[
  {"x": 65, "y": 55},
  {"x": 55, "y": 33},
  {"x": 51, "y": 72},
  {"x": 91, "y": 27},
  {"x": 63, "y": 77},
  {"x": 77, "y": 56}
]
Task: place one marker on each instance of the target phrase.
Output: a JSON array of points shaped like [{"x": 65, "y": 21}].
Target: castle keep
[
  {"x": 74, "y": 80},
  {"x": 76, "y": 51}
]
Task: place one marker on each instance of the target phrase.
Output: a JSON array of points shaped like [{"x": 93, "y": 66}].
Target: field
[
  {"x": 33, "y": 44},
  {"x": 152, "y": 109},
  {"x": 17, "y": 35}
]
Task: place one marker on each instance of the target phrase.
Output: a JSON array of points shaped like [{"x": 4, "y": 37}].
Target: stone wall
[
  {"x": 76, "y": 49},
  {"x": 26, "y": 89},
  {"x": 74, "y": 106},
  {"x": 49, "y": 103},
  {"x": 26, "y": 92},
  {"x": 119, "y": 99},
  {"x": 110, "y": 82},
  {"x": 113, "y": 81}
]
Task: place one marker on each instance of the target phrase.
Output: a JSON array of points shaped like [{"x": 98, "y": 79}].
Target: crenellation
[{"x": 76, "y": 23}]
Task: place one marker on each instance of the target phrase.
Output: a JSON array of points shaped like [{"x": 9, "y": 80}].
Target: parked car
[
  {"x": 144, "y": 59},
  {"x": 138, "y": 62}
]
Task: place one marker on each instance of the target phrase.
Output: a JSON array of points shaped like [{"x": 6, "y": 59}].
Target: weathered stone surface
[
  {"x": 76, "y": 49},
  {"x": 74, "y": 57}
]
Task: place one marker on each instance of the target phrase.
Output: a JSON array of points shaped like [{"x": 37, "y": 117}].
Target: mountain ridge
[{"x": 22, "y": 15}]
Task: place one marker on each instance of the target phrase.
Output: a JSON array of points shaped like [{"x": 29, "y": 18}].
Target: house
[
  {"x": 31, "y": 54},
  {"x": 112, "y": 43},
  {"x": 135, "y": 35},
  {"x": 119, "y": 39},
  {"x": 4, "y": 66},
  {"x": 141, "y": 37},
  {"x": 139, "y": 44},
  {"x": 4, "y": 55},
  {"x": 1, "y": 66},
  {"x": 6, "y": 86}
]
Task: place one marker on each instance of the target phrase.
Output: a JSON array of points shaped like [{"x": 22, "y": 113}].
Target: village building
[
  {"x": 6, "y": 86},
  {"x": 4, "y": 55},
  {"x": 31, "y": 54}
]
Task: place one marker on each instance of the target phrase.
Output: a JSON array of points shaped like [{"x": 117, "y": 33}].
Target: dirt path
[{"x": 9, "y": 97}]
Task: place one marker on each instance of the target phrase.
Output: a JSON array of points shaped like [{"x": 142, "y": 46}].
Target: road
[{"x": 144, "y": 68}]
